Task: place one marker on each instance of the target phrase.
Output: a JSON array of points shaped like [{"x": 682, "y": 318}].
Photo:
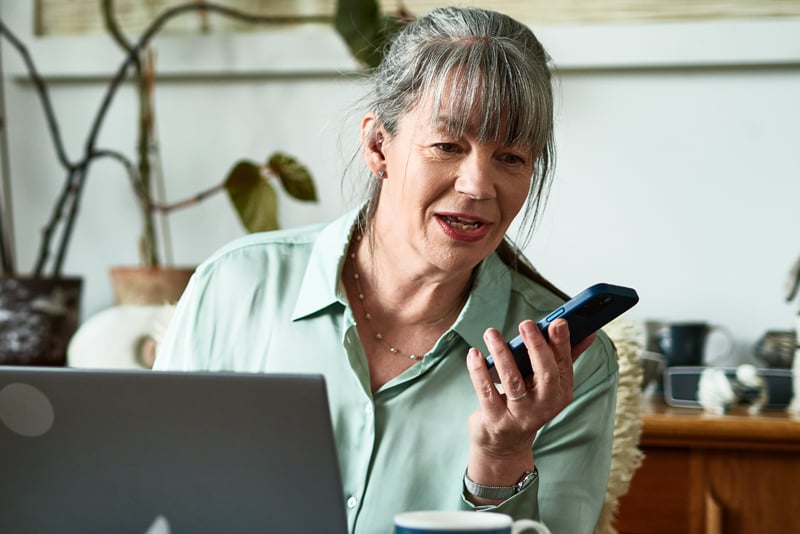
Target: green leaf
[
  {"x": 365, "y": 31},
  {"x": 253, "y": 197},
  {"x": 295, "y": 178},
  {"x": 358, "y": 22}
]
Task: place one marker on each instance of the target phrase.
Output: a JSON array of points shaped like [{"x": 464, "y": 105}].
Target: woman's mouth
[
  {"x": 462, "y": 223},
  {"x": 462, "y": 228}
]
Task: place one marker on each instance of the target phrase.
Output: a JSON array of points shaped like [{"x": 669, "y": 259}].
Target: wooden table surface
[{"x": 773, "y": 429}]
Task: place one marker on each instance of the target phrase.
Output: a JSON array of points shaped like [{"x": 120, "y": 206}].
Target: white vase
[{"x": 120, "y": 337}]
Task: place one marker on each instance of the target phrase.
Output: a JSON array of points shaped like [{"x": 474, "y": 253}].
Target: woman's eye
[
  {"x": 450, "y": 148},
  {"x": 512, "y": 159}
]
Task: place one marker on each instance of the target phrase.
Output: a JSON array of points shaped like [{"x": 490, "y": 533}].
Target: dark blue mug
[{"x": 685, "y": 344}]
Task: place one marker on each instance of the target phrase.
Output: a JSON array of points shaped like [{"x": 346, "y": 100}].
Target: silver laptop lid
[{"x": 166, "y": 452}]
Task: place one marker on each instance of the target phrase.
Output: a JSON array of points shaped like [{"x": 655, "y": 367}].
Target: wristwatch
[{"x": 500, "y": 492}]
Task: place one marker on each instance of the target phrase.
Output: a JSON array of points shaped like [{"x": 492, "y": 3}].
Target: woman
[{"x": 398, "y": 302}]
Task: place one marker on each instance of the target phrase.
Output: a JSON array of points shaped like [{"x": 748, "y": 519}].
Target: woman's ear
[{"x": 372, "y": 137}]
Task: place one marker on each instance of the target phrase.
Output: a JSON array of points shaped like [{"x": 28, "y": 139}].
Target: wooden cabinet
[{"x": 702, "y": 473}]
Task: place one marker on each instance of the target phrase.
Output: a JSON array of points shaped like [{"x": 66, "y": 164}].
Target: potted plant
[
  {"x": 54, "y": 313},
  {"x": 38, "y": 313},
  {"x": 364, "y": 29},
  {"x": 247, "y": 184}
]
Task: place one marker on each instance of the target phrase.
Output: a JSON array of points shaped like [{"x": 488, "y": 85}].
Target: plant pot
[
  {"x": 38, "y": 316},
  {"x": 147, "y": 286}
]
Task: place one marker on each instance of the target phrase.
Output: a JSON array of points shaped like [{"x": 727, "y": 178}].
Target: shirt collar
[
  {"x": 320, "y": 287},
  {"x": 486, "y": 306}
]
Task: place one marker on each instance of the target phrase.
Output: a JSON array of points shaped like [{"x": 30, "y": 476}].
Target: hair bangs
[{"x": 475, "y": 89}]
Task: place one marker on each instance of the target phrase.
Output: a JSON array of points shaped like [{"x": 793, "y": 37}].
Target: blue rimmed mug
[{"x": 463, "y": 522}]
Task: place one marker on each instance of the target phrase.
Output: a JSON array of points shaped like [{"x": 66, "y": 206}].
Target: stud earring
[{"x": 381, "y": 173}]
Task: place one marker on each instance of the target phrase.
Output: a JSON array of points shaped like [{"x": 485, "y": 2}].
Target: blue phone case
[{"x": 585, "y": 313}]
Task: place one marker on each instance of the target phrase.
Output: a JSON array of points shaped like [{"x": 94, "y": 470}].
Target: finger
[
  {"x": 541, "y": 354},
  {"x": 488, "y": 396},
  {"x": 558, "y": 332},
  {"x": 560, "y": 340},
  {"x": 507, "y": 370}
]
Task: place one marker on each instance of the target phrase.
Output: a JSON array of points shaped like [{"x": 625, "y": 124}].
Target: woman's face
[{"x": 447, "y": 200}]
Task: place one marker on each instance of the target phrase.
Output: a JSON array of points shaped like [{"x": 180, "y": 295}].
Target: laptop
[{"x": 151, "y": 452}]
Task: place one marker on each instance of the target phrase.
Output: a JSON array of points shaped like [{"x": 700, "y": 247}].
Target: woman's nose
[{"x": 475, "y": 178}]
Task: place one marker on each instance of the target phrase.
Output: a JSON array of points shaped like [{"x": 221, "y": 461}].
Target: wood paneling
[{"x": 714, "y": 474}]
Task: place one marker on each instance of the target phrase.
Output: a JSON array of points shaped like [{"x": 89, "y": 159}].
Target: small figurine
[
  {"x": 750, "y": 388},
  {"x": 714, "y": 392},
  {"x": 794, "y": 405},
  {"x": 717, "y": 393}
]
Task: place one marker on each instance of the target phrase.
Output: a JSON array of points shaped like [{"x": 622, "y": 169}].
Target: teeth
[{"x": 460, "y": 223}]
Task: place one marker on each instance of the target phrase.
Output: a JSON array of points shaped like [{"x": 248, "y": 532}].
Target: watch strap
[{"x": 500, "y": 492}]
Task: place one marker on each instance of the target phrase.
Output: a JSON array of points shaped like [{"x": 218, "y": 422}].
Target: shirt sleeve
[
  {"x": 196, "y": 338},
  {"x": 176, "y": 351},
  {"x": 523, "y": 505},
  {"x": 218, "y": 321}
]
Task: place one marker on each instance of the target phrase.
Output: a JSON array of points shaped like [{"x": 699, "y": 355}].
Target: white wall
[
  {"x": 678, "y": 169},
  {"x": 685, "y": 185}
]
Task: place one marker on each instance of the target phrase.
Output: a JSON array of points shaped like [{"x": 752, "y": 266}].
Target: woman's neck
[{"x": 406, "y": 288}]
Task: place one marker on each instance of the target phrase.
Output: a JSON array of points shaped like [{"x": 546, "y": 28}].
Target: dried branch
[
  {"x": 145, "y": 200},
  {"x": 133, "y": 54},
  {"x": 144, "y": 86},
  {"x": 52, "y": 123},
  {"x": 44, "y": 96},
  {"x": 7, "y": 249},
  {"x": 67, "y": 204}
]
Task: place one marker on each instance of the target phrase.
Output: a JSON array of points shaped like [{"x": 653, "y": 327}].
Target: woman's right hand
[{"x": 503, "y": 429}]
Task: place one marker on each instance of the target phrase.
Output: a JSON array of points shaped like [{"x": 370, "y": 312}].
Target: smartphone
[{"x": 586, "y": 313}]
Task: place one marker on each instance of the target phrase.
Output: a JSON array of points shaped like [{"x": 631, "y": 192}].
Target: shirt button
[
  {"x": 368, "y": 409},
  {"x": 351, "y": 502}
]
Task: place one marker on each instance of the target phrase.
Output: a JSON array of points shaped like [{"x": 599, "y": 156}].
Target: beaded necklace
[{"x": 368, "y": 316}]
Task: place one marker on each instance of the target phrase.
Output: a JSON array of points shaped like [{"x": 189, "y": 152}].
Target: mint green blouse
[{"x": 273, "y": 302}]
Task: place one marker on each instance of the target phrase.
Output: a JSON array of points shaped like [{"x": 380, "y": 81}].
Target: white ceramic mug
[{"x": 463, "y": 522}]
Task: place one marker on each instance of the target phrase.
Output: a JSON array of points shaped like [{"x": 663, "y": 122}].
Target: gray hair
[{"x": 468, "y": 59}]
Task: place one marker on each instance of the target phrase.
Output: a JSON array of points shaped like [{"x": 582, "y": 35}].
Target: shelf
[{"x": 663, "y": 425}]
